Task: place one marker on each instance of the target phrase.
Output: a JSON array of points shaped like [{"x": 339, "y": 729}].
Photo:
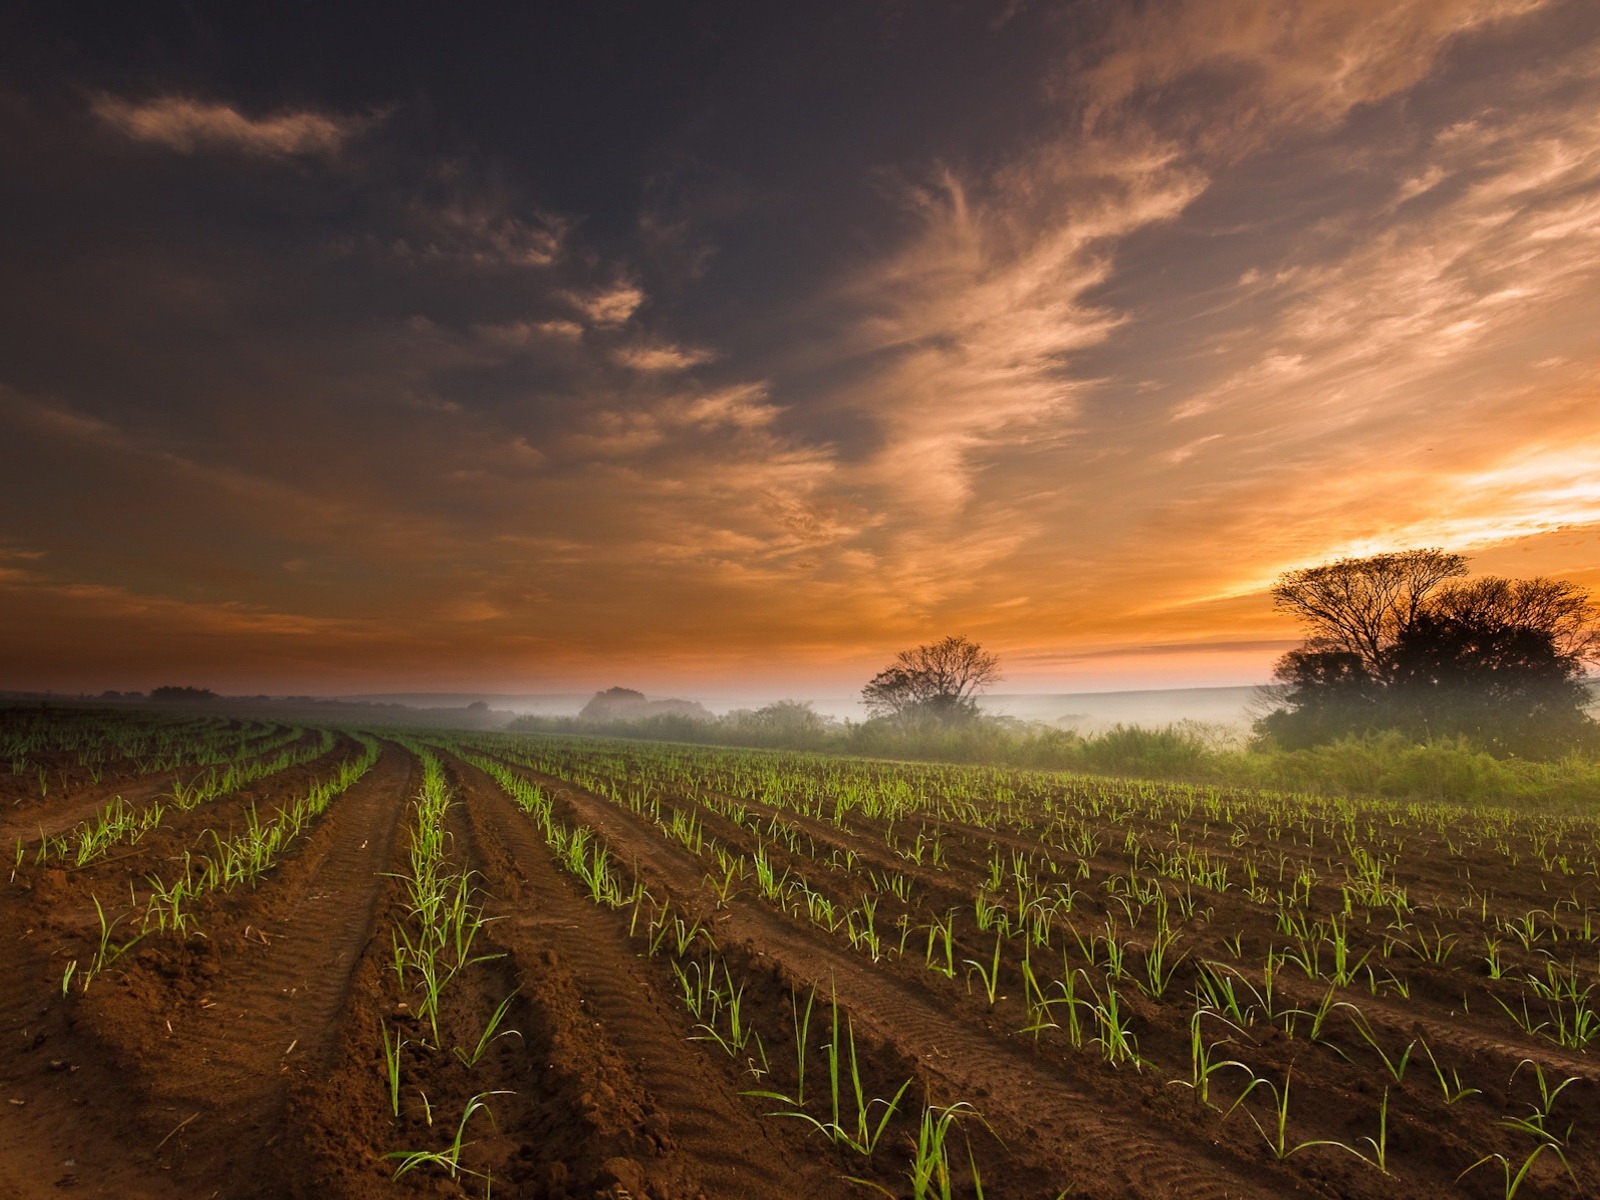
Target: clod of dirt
[{"x": 625, "y": 1174}]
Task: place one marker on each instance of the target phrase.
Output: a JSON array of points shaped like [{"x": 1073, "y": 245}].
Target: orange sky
[{"x": 309, "y": 393}]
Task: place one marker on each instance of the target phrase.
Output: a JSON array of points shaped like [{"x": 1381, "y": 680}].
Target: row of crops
[
  {"x": 944, "y": 981},
  {"x": 1327, "y": 977},
  {"x": 205, "y": 761},
  {"x": 50, "y": 744}
]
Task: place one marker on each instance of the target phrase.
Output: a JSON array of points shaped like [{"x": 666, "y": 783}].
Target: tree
[
  {"x": 171, "y": 692},
  {"x": 620, "y": 704},
  {"x": 788, "y": 717},
  {"x": 613, "y": 704},
  {"x": 940, "y": 680},
  {"x": 1326, "y": 693},
  {"x": 1559, "y": 608},
  {"x": 783, "y": 723},
  {"x": 1393, "y": 643},
  {"x": 1505, "y": 686},
  {"x": 1359, "y": 605}
]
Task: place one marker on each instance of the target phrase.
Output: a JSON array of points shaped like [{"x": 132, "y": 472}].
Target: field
[{"x": 250, "y": 959}]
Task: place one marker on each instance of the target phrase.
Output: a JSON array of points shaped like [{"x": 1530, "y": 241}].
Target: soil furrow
[
  {"x": 84, "y": 802},
  {"x": 272, "y": 987},
  {"x": 73, "y": 811},
  {"x": 718, "y": 1144}
]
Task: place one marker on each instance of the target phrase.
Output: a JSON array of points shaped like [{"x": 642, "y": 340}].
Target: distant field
[{"x": 250, "y": 958}]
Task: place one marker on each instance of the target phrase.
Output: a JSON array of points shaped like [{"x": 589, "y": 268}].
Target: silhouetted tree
[
  {"x": 1556, "y": 607},
  {"x": 1326, "y": 693},
  {"x": 1394, "y": 645},
  {"x": 620, "y": 704},
  {"x": 172, "y": 692},
  {"x": 1358, "y": 606},
  {"x": 613, "y": 704},
  {"x": 940, "y": 681},
  {"x": 1505, "y": 686}
]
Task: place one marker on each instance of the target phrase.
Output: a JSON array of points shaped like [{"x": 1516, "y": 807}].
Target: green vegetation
[
  {"x": 1372, "y": 764},
  {"x": 1411, "y": 683}
]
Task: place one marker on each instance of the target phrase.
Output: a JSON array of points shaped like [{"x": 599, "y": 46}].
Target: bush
[{"x": 1167, "y": 752}]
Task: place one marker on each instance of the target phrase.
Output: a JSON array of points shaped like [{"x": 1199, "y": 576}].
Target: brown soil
[{"x": 247, "y": 1060}]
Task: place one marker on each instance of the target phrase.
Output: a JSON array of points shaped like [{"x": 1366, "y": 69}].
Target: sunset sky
[{"x": 710, "y": 345}]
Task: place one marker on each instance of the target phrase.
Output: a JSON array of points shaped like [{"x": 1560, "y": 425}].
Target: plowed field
[{"x": 553, "y": 967}]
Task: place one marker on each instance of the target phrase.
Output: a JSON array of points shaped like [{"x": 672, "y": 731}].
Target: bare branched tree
[
  {"x": 940, "y": 680},
  {"x": 1360, "y": 605}
]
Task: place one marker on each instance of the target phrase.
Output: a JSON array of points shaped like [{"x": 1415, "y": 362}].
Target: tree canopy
[
  {"x": 938, "y": 681},
  {"x": 1394, "y": 642},
  {"x": 174, "y": 692}
]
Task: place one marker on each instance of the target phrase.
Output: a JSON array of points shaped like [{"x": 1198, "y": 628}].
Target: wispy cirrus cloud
[
  {"x": 977, "y": 317},
  {"x": 1510, "y": 229},
  {"x": 1277, "y": 65},
  {"x": 980, "y": 315},
  {"x": 1000, "y": 330},
  {"x": 1422, "y": 358}
]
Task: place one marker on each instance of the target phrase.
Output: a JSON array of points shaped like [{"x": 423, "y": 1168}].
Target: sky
[{"x": 697, "y": 346}]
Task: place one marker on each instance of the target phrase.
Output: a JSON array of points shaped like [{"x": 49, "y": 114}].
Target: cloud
[
  {"x": 1164, "y": 649},
  {"x": 517, "y": 335},
  {"x": 1423, "y": 306},
  {"x": 662, "y": 357},
  {"x": 1302, "y": 64},
  {"x": 1249, "y": 285},
  {"x": 615, "y": 434},
  {"x": 743, "y": 406},
  {"x": 608, "y": 308},
  {"x": 977, "y": 318},
  {"x": 685, "y": 418},
  {"x": 105, "y": 602},
  {"x": 479, "y": 227},
  {"x": 475, "y": 609},
  {"x": 1023, "y": 348},
  {"x": 189, "y": 126}
]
